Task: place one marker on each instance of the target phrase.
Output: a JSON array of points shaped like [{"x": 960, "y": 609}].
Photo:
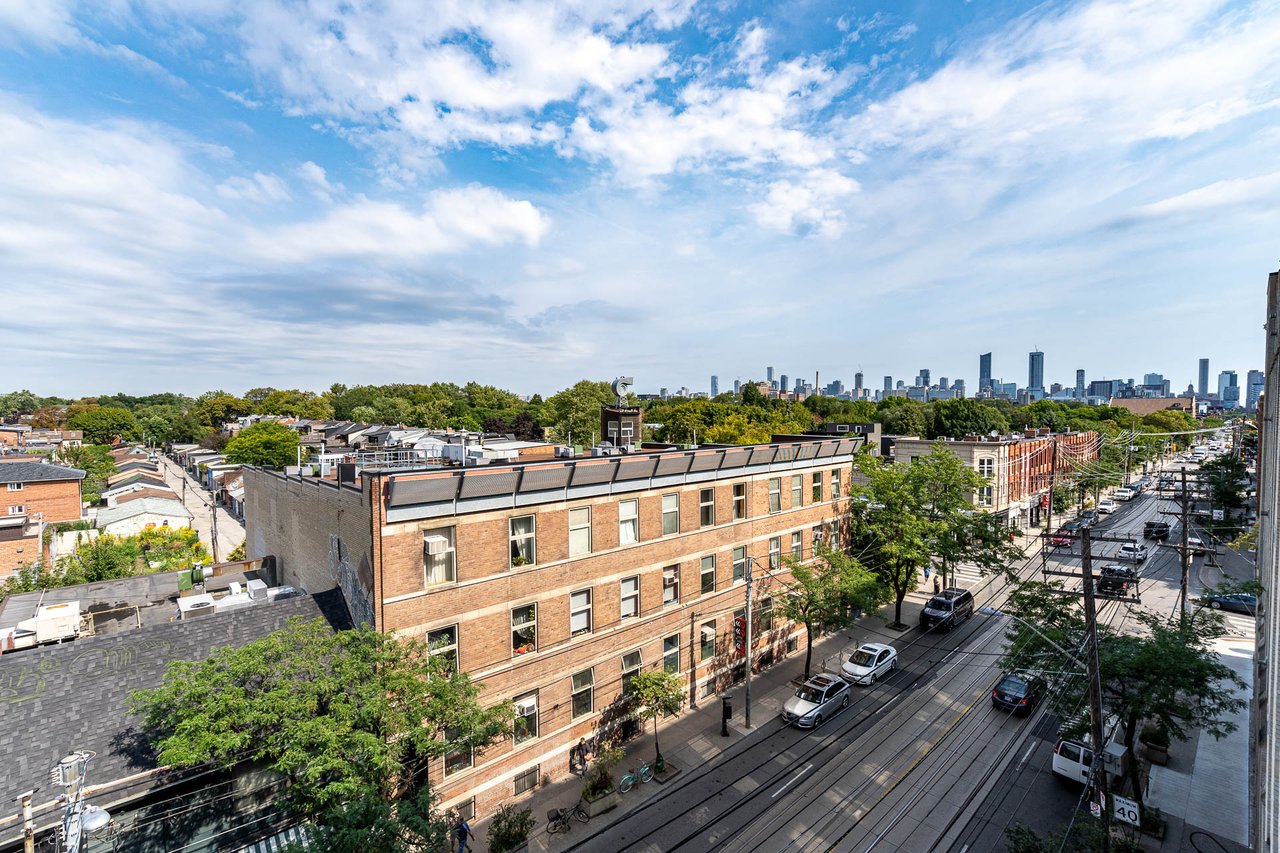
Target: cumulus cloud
[
  {"x": 257, "y": 188},
  {"x": 808, "y": 204}
]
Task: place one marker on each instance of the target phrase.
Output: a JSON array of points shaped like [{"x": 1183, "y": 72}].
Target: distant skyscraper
[
  {"x": 1035, "y": 372},
  {"x": 901, "y": 384},
  {"x": 768, "y": 375},
  {"x": 715, "y": 385},
  {"x": 1253, "y": 389},
  {"x": 857, "y": 385},
  {"x": 984, "y": 371},
  {"x": 943, "y": 382},
  {"x": 737, "y": 386},
  {"x": 1203, "y": 388},
  {"x": 888, "y": 383},
  {"x": 923, "y": 378},
  {"x": 1079, "y": 384},
  {"x": 1228, "y": 389},
  {"x": 782, "y": 382}
]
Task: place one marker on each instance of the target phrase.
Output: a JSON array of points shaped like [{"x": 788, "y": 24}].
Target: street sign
[
  {"x": 1217, "y": 515},
  {"x": 1125, "y": 809}
]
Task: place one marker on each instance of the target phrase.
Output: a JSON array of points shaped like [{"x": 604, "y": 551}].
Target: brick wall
[
  {"x": 16, "y": 550},
  {"x": 59, "y": 500}
]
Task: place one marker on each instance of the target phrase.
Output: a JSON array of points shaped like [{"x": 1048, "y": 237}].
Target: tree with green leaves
[
  {"x": 105, "y": 425},
  {"x": 656, "y": 693},
  {"x": 219, "y": 409},
  {"x": 267, "y": 444},
  {"x": 888, "y": 524},
  {"x": 18, "y": 403},
  {"x": 297, "y": 404},
  {"x": 1165, "y": 674},
  {"x": 900, "y": 416},
  {"x": 1224, "y": 478},
  {"x": 574, "y": 413},
  {"x": 366, "y": 824},
  {"x": 958, "y": 418},
  {"x": 343, "y": 716},
  {"x": 96, "y": 463},
  {"x": 827, "y": 592}
]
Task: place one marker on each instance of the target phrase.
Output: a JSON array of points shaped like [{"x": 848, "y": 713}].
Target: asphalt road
[{"x": 200, "y": 502}]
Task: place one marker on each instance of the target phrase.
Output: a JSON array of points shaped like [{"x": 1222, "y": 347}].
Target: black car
[
  {"x": 1115, "y": 579},
  {"x": 1237, "y": 602},
  {"x": 1088, "y": 518},
  {"x": 947, "y": 609},
  {"x": 1155, "y": 530},
  {"x": 1016, "y": 692}
]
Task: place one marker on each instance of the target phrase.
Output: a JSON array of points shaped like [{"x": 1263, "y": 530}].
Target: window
[
  {"x": 671, "y": 653},
  {"x": 797, "y": 545},
  {"x": 630, "y": 597},
  {"x": 579, "y": 531},
  {"x": 706, "y": 507},
  {"x": 526, "y": 717},
  {"x": 523, "y": 541},
  {"x": 986, "y": 495},
  {"x": 708, "y": 635},
  {"x": 708, "y": 574},
  {"x": 775, "y": 552},
  {"x": 670, "y": 514},
  {"x": 987, "y": 467},
  {"x": 457, "y": 759},
  {"x": 817, "y": 486},
  {"x": 631, "y": 663},
  {"x": 739, "y": 563},
  {"x": 628, "y": 522},
  {"x": 443, "y": 642},
  {"x": 835, "y": 486},
  {"x": 580, "y": 612},
  {"x": 766, "y": 614},
  {"x": 583, "y": 692},
  {"x": 16, "y": 487},
  {"x": 797, "y": 489},
  {"x": 466, "y": 809},
  {"x": 17, "y": 509},
  {"x": 775, "y": 494},
  {"x": 527, "y": 780},
  {"x": 739, "y": 501},
  {"x": 524, "y": 629},
  {"x": 670, "y": 585},
  {"x": 438, "y": 556},
  {"x": 817, "y": 538}
]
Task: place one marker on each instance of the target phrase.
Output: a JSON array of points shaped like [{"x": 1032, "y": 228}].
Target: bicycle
[
  {"x": 644, "y": 774},
  {"x": 558, "y": 819}
]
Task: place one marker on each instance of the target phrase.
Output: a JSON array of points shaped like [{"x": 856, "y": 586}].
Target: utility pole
[
  {"x": 747, "y": 651},
  {"x": 28, "y": 823},
  {"x": 1098, "y": 771},
  {"x": 213, "y": 544},
  {"x": 1184, "y": 555},
  {"x": 1053, "y": 473}
]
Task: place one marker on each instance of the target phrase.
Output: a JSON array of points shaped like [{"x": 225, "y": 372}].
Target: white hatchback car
[{"x": 870, "y": 662}]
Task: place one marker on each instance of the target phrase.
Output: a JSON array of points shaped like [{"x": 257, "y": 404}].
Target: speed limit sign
[{"x": 1125, "y": 809}]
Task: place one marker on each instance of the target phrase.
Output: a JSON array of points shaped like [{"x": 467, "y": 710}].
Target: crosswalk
[
  {"x": 963, "y": 575},
  {"x": 1239, "y": 625}
]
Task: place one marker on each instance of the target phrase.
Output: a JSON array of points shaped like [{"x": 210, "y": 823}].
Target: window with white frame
[
  {"x": 579, "y": 531},
  {"x": 835, "y": 485},
  {"x": 766, "y": 614},
  {"x": 527, "y": 780},
  {"x": 526, "y": 717},
  {"x": 817, "y": 486},
  {"x": 707, "y": 574},
  {"x": 631, "y": 663},
  {"x": 775, "y": 494},
  {"x": 986, "y": 466},
  {"x": 797, "y": 489},
  {"x": 629, "y": 589},
  {"x": 739, "y": 563},
  {"x": 580, "y": 612},
  {"x": 628, "y": 522},
  {"x": 457, "y": 759},
  {"x": 16, "y": 487},
  {"x": 739, "y": 501},
  {"x": 583, "y": 692},
  {"x": 797, "y": 545},
  {"x": 986, "y": 495},
  {"x": 438, "y": 556},
  {"x": 670, "y": 514},
  {"x": 524, "y": 629},
  {"x": 670, "y": 585},
  {"x": 707, "y": 649},
  {"x": 671, "y": 653},
  {"x": 706, "y": 507},
  {"x": 818, "y": 536},
  {"x": 443, "y": 643},
  {"x": 524, "y": 549},
  {"x": 17, "y": 509},
  {"x": 775, "y": 552}
]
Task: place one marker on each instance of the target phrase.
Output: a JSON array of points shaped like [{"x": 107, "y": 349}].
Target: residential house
[{"x": 129, "y": 518}]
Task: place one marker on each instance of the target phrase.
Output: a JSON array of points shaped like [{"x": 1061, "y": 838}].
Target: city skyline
[{"x": 503, "y": 195}]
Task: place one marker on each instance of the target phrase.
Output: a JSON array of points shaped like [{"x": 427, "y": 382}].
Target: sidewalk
[{"x": 693, "y": 738}]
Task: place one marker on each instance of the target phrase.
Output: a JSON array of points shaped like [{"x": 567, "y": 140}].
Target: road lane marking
[
  {"x": 792, "y": 780},
  {"x": 1023, "y": 763}
]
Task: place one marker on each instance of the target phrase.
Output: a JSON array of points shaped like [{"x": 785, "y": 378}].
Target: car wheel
[
  {"x": 817, "y": 721},
  {"x": 893, "y": 664},
  {"x": 1216, "y": 605},
  {"x": 844, "y": 703}
]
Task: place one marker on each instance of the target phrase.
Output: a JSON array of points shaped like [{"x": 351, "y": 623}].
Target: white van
[{"x": 1073, "y": 756}]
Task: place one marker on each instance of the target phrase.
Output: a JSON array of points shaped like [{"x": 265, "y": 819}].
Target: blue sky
[{"x": 235, "y": 193}]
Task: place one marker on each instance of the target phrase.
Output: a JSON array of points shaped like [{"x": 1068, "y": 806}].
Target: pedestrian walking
[
  {"x": 937, "y": 584},
  {"x": 926, "y": 571},
  {"x": 463, "y": 834}
]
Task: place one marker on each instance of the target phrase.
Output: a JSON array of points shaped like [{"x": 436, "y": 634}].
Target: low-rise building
[{"x": 132, "y": 517}]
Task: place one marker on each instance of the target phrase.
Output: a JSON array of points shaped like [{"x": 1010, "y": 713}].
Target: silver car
[{"x": 818, "y": 699}]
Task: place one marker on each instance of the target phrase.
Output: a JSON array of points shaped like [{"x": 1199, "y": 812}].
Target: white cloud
[
  {"x": 316, "y": 177},
  {"x": 45, "y": 23},
  {"x": 809, "y": 204},
  {"x": 260, "y": 189},
  {"x": 1232, "y": 192}
]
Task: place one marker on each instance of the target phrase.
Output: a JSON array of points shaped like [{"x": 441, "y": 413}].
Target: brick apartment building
[
  {"x": 551, "y": 582},
  {"x": 32, "y": 493},
  {"x": 1018, "y": 469}
]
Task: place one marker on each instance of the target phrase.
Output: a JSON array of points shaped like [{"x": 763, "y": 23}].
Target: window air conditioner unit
[{"x": 435, "y": 544}]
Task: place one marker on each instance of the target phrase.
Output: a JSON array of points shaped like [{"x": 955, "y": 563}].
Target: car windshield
[
  {"x": 939, "y": 604},
  {"x": 1011, "y": 684},
  {"x": 808, "y": 694},
  {"x": 862, "y": 657}
]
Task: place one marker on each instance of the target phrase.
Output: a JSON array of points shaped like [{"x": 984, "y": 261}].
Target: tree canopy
[
  {"x": 105, "y": 425},
  {"x": 827, "y": 592},
  {"x": 574, "y": 413},
  {"x": 267, "y": 444}
]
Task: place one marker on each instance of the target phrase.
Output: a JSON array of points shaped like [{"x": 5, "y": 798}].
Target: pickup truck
[{"x": 1124, "y": 494}]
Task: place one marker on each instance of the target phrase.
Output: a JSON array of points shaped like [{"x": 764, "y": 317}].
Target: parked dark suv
[
  {"x": 1116, "y": 579},
  {"x": 947, "y": 609},
  {"x": 1156, "y": 530}
]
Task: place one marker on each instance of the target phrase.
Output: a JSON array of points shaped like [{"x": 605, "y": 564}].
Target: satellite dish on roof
[{"x": 621, "y": 386}]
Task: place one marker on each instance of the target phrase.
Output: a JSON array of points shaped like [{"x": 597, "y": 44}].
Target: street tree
[
  {"x": 267, "y": 444},
  {"x": 656, "y": 693},
  {"x": 105, "y": 425},
  {"x": 1224, "y": 478},
  {"x": 827, "y": 592},
  {"x": 958, "y": 418},
  {"x": 1165, "y": 674},
  {"x": 366, "y": 824},
  {"x": 216, "y": 410},
  {"x": 574, "y": 413},
  {"x": 888, "y": 524},
  {"x": 343, "y": 715}
]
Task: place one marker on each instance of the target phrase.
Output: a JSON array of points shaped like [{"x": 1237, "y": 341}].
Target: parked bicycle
[
  {"x": 558, "y": 819},
  {"x": 644, "y": 774}
]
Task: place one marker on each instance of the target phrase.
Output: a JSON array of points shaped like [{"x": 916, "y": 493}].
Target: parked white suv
[
  {"x": 1124, "y": 494},
  {"x": 1133, "y": 552}
]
